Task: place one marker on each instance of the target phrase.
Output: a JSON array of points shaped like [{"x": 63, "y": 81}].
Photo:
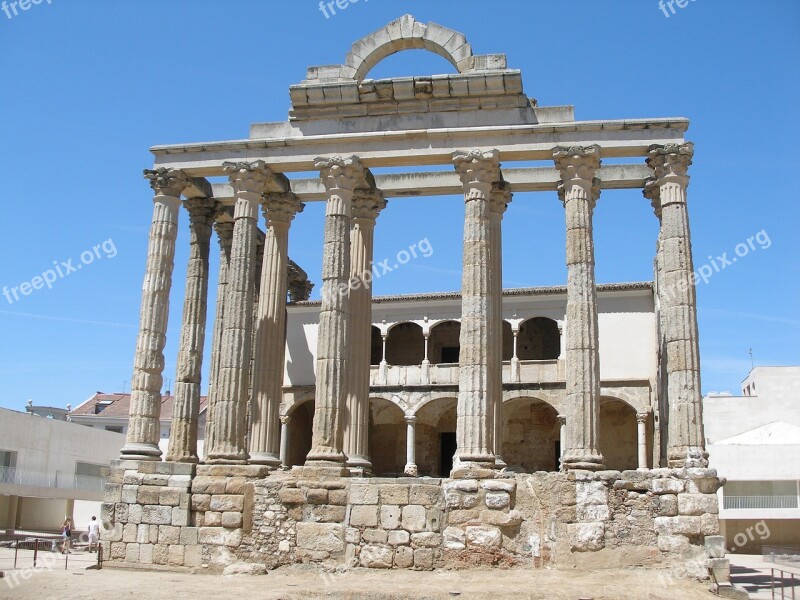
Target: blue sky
[{"x": 88, "y": 87}]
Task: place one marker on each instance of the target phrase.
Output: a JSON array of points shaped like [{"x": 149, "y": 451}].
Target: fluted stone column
[
  {"x": 498, "y": 203},
  {"x": 678, "y": 305},
  {"x": 366, "y": 206},
  {"x": 224, "y": 228},
  {"x": 144, "y": 428},
  {"x": 411, "y": 450},
  {"x": 579, "y": 191},
  {"x": 249, "y": 182},
  {"x": 562, "y": 435},
  {"x": 183, "y": 432},
  {"x": 341, "y": 177},
  {"x": 279, "y": 211},
  {"x": 476, "y": 396},
  {"x": 515, "y": 368},
  {"x": 641, "y": 436}
]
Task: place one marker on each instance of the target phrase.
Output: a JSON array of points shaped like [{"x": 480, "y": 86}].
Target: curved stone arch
[
  {"x": 406, "y": 33},
  {"x": 291, "y": 402},
  {"x": 630, "y": 397},
  {"x": 397, "y": 399},
  {"x": 433, "y": 397},
  {"x": 554, "y": 398},
  {"x": 522, "y": 397}
]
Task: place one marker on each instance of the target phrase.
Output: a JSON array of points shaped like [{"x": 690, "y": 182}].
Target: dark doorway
[
  {"x": 450, "y": 354},
  {"x": 447, "y": 446},
  {"x": 558, "y": 456}
]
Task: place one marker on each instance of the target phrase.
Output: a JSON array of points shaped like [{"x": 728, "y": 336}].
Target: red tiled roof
[{"x": 120, "y": 405}]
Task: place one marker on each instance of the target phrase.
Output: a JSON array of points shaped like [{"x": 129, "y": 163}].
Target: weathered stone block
[
  {"x": 390, "y": 516},
  {"x": 327, "y": 537},
  {"x": 668, "y": 486},
  {"x": 175, "y": 556},
  {"x": 501, "y": 519},
  {"x": 497, "y": 500},
  {"x": 169, "y": 497},
  {"x": 674, "y": 544},
  {"x": 227, "y": 502},
  {"x": 454, "y": 538},
  {"x": 404, "y": 557},
  {"x": 148, "y": 494},
  {"x": 364, "y": 515},
  {"x": 464, "y": 485},
  {"x": 192, "y": 556},
  {"x": 681, "y": 525},
  {"x": 398, "y": 537},
  {"x": 697, "y": 504},
  {"x": 118, "y": 550},
  {"x": 168, "y": 534},
  {"x": 469, "y": 500},
  {"x": 235, "y": 485},
  {"x": 182, "y": 482},
  {"x": 374, "y": 536},
  {"x": 376, "y": 557},
  {"x": 219, "y": 536},
  {"x": 590, "y": 492},
  {"x": 352, "y": 535},
  {"x": 327, "y": 513},
  {"x": 231, "y": 520},
  {"x": 317, "y": 496},
  {"x": 156, "y": 480},
  {"x": 180, "y": 516},
  {"x": 363, "y": 494},
  {"x": 413, "y": 518},
  {"x": 715, "y": 546},
  {"x": 291, "y": 496},
  {"x": 709, "y": 524},
  {"x": 129, "y": 532},
  {"x": 135, "y": 512},
  {"x": 499, "y": 485},
  {"x": 160, "y": 554},
  {"x": 427, "y": 495},
  {"x": 592, "y": 512},
  {"x": 483, "y": 536},
  {"x": 458, "y": 517},
  {"x": 337, "y": 497},
  {"x": 665, "y": 505},
  {"x": 452, "y": 500},
  {"x": 132, "y": 553},
  {"x": 122, "y": 512},
  {"x": 112, "y": 493},
  {"x": 394, "y": 494},
  {"x": 721, "y": 567},
  {"x": 426, "y": 539},
  {"x": 201, "y": 502},
  {"x": 212, "y": 519},
  {"x": 189, "y": 536},
  {"x": 423, "y": 559},
  {"x": 113, "y": 533},
  {"x": 586, "y": 536},
  {"x": 146, "y": 554},
  {"x": 204, "y": 484}
]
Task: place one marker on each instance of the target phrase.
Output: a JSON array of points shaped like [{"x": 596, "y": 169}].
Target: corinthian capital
[
  {"x": 577, "y": 166},
  {"x": 500, "y": 197},
  {"x": 251, "y": 177},
  {"x": 478, "y": 170},
  {"x": 652, "y": 191},
  {"x": 338, "y": 173},
  {"x": 670, "y": 163},
  {"x": 368, "y": 203},
  {"x": 167, "y": 182},
  {"x": 281, "y": 207}
]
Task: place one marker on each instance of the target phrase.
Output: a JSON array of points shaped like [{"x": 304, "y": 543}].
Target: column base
[
  {"x": 358, "y": 466},
  {"x": 134, "y": 451},
  {"x": 320, "y": 470},
  {"x": 411, "y": 470},
  {"x": 185, "y": 458},
  {"x": 499, "y": 463},
  {"x": 687, "y": 456},
  {"x": 582, "y": 461},
  {"x": 480, "y": 466},
  {"x": 268, "y": 459}
]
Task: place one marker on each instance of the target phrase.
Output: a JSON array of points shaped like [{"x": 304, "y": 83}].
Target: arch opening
[
  {"x": 436, "y": 437},
  {"x": 531, "y": 436},
  {"x": 538, "y": 339},
  {"x": 444, "y": 343},
  {"x": 387, "y": 438},
  {"x": 618, "y": 434},
  {"x": 300, "y": 430},
  {"x": 405, "y": 345}
]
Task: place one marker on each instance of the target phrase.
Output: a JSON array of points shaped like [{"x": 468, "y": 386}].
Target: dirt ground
[{"x": 300, "y": 582}]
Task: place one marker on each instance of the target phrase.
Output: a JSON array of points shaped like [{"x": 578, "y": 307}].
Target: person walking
[
  {"x": 66, "y": 533},
  {"x": 94, "y": 534}
]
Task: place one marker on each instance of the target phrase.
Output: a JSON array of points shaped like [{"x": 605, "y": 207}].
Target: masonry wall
[{"x": 182, "y": 515}]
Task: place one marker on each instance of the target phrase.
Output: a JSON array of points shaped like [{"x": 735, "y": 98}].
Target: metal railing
[
  {"x": 742, "y": 502},
  {"x": 781, "y": 555},
  {"x": 14, "y": 476}
]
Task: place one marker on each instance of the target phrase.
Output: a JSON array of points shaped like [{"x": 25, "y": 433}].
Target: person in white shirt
[{"x": 94, "y": 534}]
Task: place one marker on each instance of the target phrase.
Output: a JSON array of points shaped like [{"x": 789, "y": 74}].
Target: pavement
[{"x": 751, "y": 572}]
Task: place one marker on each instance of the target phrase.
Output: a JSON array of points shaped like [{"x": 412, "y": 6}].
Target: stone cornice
[{"x": 507, "y": 293}]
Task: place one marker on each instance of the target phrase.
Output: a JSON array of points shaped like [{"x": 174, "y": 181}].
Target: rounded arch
[
  {"x": 444, "y": 345},
  {"x": 618, "y": 434},
  {"x": 436, "y": 434},
  {"x": 376, "y": 346},
  {"x": 531, "y": 435},
  {"x": 508, "y": 341},
  {"x": 405, "y": 344},
  {"x": 301, "y": 424},
  {"x": 539, "y": 339},
  {"x": 406, "y": 33},
  {"x": 387, "y": 437}
]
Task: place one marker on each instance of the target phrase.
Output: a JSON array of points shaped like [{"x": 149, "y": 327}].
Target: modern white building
[
  {"x": 109, "y": 412},
  {"x": 753, "y": 440},
  {"x": 50, "y": 469}
]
